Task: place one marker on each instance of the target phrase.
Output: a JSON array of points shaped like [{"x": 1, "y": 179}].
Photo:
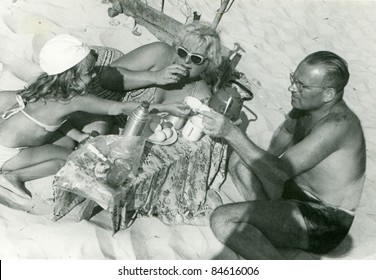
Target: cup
[
  {"x": 130, "y": 148},
  {"x": 119, "y": 172},
  {"x": 193, "y": 129}
]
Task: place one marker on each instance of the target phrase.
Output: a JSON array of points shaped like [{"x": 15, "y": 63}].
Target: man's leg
[
  {"x": 256, "y": 229},
  {"x": 247, "y": 183}
]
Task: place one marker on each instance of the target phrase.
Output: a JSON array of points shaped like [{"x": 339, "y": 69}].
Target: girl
[{"x": 29, "y": 117}]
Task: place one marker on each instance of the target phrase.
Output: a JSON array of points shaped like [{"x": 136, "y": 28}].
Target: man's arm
[
  {"x": 326, "y": 137},
  {"x": 283, "y": 137},
  {"x": 272, "y": 171}
]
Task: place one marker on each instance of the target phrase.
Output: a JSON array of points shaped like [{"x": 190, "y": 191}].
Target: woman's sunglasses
[{"x": 197, "y": 59}]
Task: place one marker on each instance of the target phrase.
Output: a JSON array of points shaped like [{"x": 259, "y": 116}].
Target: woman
[
  {"x": 170, "y": 72},
  {"x": 167, "y": 73}
]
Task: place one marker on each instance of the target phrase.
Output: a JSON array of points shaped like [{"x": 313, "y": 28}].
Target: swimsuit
[
  {"x": 327, "y": 225},
  {"x": 21, "y": 107},
  {"x": 7, "y": 153}
]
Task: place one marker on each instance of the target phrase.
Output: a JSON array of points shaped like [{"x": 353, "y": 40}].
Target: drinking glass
[{"x": 119, "y": 171}]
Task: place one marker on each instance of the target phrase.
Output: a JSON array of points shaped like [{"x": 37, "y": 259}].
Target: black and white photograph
[{"x": 187, "y": 130}]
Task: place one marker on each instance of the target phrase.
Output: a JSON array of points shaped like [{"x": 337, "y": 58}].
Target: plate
[
  {"x": 166, "y": 142},
  {"x": 148, "y": 132}
]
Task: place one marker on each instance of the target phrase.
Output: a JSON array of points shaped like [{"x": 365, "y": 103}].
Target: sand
[{"x": 275, "y": 35}]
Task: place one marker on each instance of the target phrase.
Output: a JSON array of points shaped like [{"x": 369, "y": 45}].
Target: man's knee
[
  {"x": 236, "y": 165},
  {"x": 245, "y": 179},
  {"x": 234, "y": 160},
  {"x": 218, "y": 222}
]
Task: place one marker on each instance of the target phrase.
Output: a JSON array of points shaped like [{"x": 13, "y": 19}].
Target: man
[{"x": 308, "y": 184}]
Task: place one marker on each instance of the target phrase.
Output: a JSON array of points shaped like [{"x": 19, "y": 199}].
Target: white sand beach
[{"x": 275, "y": 34}]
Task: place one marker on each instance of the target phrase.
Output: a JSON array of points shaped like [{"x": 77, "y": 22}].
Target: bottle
[
  {"x": 92, "y": 135},
  {"x": 137, "y": 120}
]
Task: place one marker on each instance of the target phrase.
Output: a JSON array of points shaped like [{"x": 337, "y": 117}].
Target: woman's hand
[
  {"x": 169, "y": 75},
  {"x": 177, "y": 109}
]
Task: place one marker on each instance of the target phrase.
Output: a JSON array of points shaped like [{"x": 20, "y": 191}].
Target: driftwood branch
[
  {"x": 220, "y": 13},
  {"x": 162, "y": 26}
]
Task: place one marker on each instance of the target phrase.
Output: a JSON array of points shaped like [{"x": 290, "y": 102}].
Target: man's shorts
[{"x": 326, "y": 225}]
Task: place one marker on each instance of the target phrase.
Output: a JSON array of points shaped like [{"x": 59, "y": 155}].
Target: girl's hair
[
  {"x": 200, "y": 33},
  {"x": 61, "y": 86}
]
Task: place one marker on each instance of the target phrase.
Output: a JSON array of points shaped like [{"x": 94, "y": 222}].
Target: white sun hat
[{"x": 61, "y": 53}]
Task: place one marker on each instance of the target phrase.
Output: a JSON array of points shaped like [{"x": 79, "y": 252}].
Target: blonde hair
[
  {"x": 61, "y": 86},
  {"x": 200, "y": 33}
]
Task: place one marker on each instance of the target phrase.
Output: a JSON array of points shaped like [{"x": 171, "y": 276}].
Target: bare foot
[
  {"x": 10, "y": 199},
  {"x": 11, "y": 183}
]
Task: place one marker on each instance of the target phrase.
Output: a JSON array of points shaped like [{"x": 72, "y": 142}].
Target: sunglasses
[{"x": 197, "y": 59}]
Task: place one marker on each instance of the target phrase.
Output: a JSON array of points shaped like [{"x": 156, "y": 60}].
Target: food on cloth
[
  {"x": 155, "y": 126},
  {"x": 101, "y": 169},
  {"x": 162, "y": 135},
  {"x": 159, "y": 135},
  {"x": 167, "y": 124},
  {"x": 167, "y": 131},
  {"x": 162, "y": 130}
]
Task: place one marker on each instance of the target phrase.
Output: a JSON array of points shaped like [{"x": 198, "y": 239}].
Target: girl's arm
[{"x": 95, "y": 105}]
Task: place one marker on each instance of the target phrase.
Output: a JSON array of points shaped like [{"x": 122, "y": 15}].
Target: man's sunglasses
[{"x": 197, "y": 59}]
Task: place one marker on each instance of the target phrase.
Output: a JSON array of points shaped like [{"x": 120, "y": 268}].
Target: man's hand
[
  {"x": 216, "y": 124},
  {"x": 170, "y": 75}
]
